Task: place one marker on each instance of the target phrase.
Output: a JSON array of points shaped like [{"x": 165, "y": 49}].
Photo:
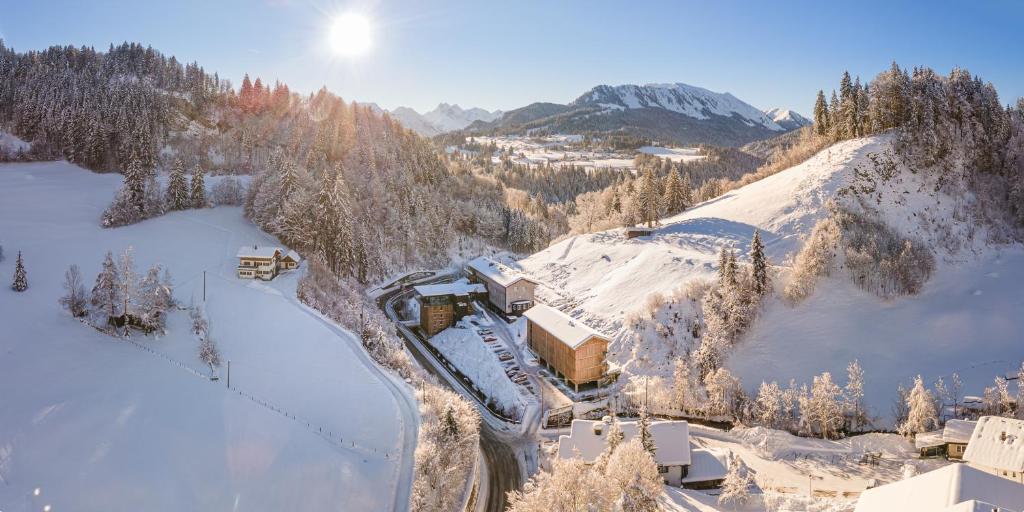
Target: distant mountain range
[
  {"x": 444, "y": 118},
  {"x": 672, "y": 113}
]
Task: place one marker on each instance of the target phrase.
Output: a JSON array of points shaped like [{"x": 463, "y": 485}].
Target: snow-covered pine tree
[
  {"x": 128, "y": 284},
  {"x": 723, "y": 266},
  {"x": 643, "y": 425},
  {"x": 177, "y": 187},
  {"x": 105, "y": 299},
  {"x": 1020, "y": 392},
  {"x": 153, "y": 300},
  {"x": 135, "y": 184},
  {"x": 20, "y": 282},
  {"x": 760, "y": 265},
  {"x": 632, "y": 479},
  {"x": 826, "y": 407},
  {"x": 675, "y": 196},
  {"x": 74, "y": 299},
  {"x": 155, "y": 204},
  {"x": 197, "y": 196},
  {"x": 921, "y": 414},
  {"x": 821, "y": 125},
  {"x": 646, "y": 199},
  {"x": 736, "y": 487},
  {"x": 854, "y": 395},
  {"x": 731, "y": 269}
]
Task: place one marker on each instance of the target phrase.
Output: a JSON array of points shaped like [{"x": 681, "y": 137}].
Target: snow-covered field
[
  {"x": 99, "y": 423},
  {"x": 12, "y": 144},
  {"x": 966, "y": 320},
  {"x": 551, "y": 150},
  {"x": 673, "y": 154}
]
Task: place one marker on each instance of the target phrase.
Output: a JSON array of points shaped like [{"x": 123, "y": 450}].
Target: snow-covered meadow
[{"x": 100, "y": 423}]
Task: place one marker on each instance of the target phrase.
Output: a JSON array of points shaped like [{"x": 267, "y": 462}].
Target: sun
[{"x": 350, "y": 35}]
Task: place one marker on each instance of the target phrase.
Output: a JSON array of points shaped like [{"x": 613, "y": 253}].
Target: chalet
[
  {"x": 508, "y": 290},
  {"x": 955, "y": 487},
  {"x": 997, "y": 446},
  {"x": 635, "y": 231},
  {"x": 566, "y": 345},
  {"x": 265, "y": 262},
  {"x": 949, "y": 442},
  {"x": 677, "y": 464},
  {"x": 441, "y": 305}
]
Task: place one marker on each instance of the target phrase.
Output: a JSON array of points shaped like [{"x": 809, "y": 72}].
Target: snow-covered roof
[
  {"x": 997, "y": 443},
  {"x": 256, "y": 251},
  {"x": 457, "y": 288},
  {"x": 497, "y": 272},
  {"x": 958, "y": 431},
  {"x": 942, "y": 488},
  {"x": 643, "y": 229},
  {"x": 928, "y": 439},
  {"x": 294, "y": 256},
  {"x": 671, "y": 440},
  {"x": 707, "y": 464},
  {"x": 567, "y": 329},
  {"x": 976, "y": 506}
]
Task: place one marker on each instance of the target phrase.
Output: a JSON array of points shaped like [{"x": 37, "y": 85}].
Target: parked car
[{"x": 505, "y": 356}]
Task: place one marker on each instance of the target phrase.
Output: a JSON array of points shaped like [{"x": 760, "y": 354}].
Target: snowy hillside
[
  {"x": 691, "y": 101},
  {"x": 961, "y": 322},
  {"x": 444, "y": 118},
  {"x": 101, "y": 423},
  {"x": 11, "y": 144}
]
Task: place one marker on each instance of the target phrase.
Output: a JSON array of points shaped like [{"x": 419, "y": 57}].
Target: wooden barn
[
  {"x": 566, "y": 345},
  {"x": 635, "y": 231}
]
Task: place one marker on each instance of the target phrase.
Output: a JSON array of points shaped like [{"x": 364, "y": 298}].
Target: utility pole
[
  {"x": 204, "y": 286},
  {"x": 229, "y": 374}
]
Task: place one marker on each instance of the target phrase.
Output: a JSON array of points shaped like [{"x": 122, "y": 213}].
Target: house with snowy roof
[
  {"x": 265, "y": 262},
  {"x": 508, "y": 290},
  {"x": 566, "y": 345},
  {"x": 997, "y": 446},
  {"x": 956, "y": 487},
  {"x": 442, "y": 305},
  {"x": 950, "y": 441},
  {"x": 677, "y": 463}
]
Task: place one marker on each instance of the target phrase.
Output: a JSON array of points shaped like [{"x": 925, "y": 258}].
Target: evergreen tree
[
  {"x": 921, "y": 413},
  {"x": 731, "y": 269},
  {"x": 105, "y": 300},
  {"x": 647, "y": 199},
  {"x": 760, "y": 265},
  {"x": 854, "y": 394},
  {"x": 197, "y": 196},
  {"x": 177, "y": 187},
  {"x": 675, "y": 194},
  {"x": 723, "y": 266},
  {"x": 736, "y": 487},
  {"x": 821, "y": 121},
  {"x": 135, "y": 185},
  {"x": 20, "y": 282},
  {"x": 643, "y": 425}
]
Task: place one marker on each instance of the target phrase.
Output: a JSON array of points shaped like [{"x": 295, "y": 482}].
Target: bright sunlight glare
[{"x": 350, "y": 35}]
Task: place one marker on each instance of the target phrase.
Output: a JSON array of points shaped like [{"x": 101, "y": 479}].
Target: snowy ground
[
  {"x": 966, "y": 320},
  {"x": 673, "y": 154},
  {"x": 98, "y": 423},
  {"x": 12, "y": 144},
  {"x": 466, "y": 349},
  {"x": 550, "y": 150}
]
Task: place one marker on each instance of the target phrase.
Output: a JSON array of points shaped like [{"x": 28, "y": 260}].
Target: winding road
[{"x": 498, "y": 442}]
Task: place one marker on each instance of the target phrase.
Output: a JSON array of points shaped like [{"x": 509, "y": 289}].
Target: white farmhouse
[
  {"x": 956, "y": 487},
  {"x": 265, "y": 262},
  {"x": 676, "y": 464},
  {"x": 997, "y": 447}
]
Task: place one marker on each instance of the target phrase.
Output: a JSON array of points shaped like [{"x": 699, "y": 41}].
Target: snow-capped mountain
[
  {"x": 787, "y": 119},
  {"x": 695, "y": 102},
  {"x": 444, "y": 118},
  {"x": 671, "y": 113}
]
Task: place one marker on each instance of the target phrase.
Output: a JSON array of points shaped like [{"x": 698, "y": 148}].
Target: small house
[
  {"x": 265, "y": 262},
  {"x": 636, "y": 231},
  {"x": 955, "y": 487},
  {"x": 508, "y": 290},
  {"x": 442, "y": 305},
  {"x": 996, "y": 446},
  {"x": 566, "y": 345},
  {"x": 956, "y": 435}
]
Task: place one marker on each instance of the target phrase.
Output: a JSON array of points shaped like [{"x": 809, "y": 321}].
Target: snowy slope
[
  {"x": 11, "y": 144},
  {"x": 787, "y": 118},
  {"x": 966, "y": 319},
  {"x": 691, "y": 101},
  {"x": 100, "y": 423}
]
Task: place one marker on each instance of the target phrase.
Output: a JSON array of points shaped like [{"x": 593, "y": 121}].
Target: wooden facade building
[
  {"x": 507, "y": 290},
  {"x": 442, "y": 305},
  {"x": 566, "y": 345}
]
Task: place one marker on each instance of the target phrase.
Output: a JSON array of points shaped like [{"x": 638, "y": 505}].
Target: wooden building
[
  {"x": 442, "y": 305},
  {"x": 635, "y": 231},
  {"x": 508, "y": 290},
  {"x": 265, "y": 262},
  {"x": 573, "y": 350}
]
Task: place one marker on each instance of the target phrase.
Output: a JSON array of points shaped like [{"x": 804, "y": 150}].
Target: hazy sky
[{"x": 508, "y": 54}]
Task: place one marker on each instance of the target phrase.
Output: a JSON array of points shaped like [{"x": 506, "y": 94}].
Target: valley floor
[{"x": 100, "y": 423}]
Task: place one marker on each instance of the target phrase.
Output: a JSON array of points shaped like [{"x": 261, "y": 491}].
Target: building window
[{"x": 662, "y": 469}]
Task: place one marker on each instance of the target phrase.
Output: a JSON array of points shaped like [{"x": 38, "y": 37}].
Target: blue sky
[{"x": 508, "y": 54}]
